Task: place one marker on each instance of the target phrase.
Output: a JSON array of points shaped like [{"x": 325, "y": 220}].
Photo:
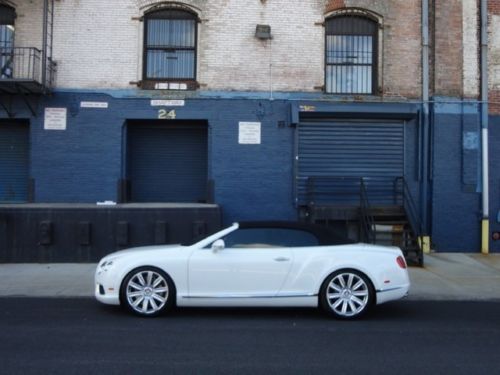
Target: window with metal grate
[{"x": 351, "y": 55}]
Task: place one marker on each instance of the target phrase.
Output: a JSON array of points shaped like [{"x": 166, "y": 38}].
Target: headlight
[{"x": 106, "y": 263}]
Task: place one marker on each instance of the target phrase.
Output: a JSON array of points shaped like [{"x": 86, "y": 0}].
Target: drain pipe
[
  {"x": 44, "y": 43},
  {"x": 424, "y": 239},
  {"x": 485, "y": 222}
]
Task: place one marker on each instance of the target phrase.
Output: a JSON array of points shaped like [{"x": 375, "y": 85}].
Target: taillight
[{"x": 401, "y": 262}]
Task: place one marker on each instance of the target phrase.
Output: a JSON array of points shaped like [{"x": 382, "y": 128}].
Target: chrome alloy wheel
[
  {"x": 347, "y": 294},
  {"x": 147, "y": 292}
]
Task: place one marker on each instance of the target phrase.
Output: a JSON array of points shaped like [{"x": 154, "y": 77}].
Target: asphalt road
[{"x": 78, "y": 336}]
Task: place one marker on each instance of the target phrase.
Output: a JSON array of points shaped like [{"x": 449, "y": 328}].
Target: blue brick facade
[
  {"x": 84, "y": 163},
  {"x": 494, "y": 151},
  {"x": 456, "y": 201}
]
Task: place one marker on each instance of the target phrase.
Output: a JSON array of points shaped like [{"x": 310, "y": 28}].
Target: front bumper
[{"x": 106, "y": 290}]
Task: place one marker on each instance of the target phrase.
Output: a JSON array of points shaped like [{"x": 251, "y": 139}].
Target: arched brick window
[
  {"x": 351, "y": 55},
  {"x": 170, "y": 45}
]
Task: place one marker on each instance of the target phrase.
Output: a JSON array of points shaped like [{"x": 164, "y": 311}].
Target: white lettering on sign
[
  {"x": 249, "y": 133},
  {"x": 55, "y": 119},
  {"x": 93, "y": 104},
  {"x": 167, "y": 103}
]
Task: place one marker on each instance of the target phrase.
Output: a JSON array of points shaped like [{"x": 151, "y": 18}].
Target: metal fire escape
[{"x": 27, "y": 72}]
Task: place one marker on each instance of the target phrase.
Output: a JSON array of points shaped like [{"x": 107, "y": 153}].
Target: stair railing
[
  {"x": 366, "y": 218},
  {"x": 402, "y": 191},
  {"x": 344, "y": 191}
]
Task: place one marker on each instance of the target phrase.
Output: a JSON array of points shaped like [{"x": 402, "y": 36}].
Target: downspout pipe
[
  {"x": 44, "y": 43},
  {"x": 485, "y": 221},
  {"x": 424, "y": 188}
]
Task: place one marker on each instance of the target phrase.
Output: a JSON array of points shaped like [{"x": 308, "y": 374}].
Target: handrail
[
  {"x": 367, "y": 221},
  {"x": 336, "y": 189},
  {"x": 409, "y": 205}
]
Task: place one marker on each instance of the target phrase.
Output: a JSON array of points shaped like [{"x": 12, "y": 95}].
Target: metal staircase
[{"x": 372, "y": 210}]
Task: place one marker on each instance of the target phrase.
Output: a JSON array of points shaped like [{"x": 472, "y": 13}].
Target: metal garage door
[
  {"x": 167, "y": 163},
  {"x": 342, "y": 148},
  {"x": 14, "y": 162}
]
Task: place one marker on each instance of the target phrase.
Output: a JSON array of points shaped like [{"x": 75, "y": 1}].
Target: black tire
[
  {"x": 147, "y": 292},
  {"x": 347, "y": 294}
]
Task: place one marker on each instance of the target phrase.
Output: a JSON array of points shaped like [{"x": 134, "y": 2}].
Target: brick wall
[
  {"x": 471, "y": 48},
  {"x": 99, "y": 45},
  {"x": 448, "y": 52},
  {"x": 494, "y": 99},
  {"x": 494, "y": 7},
  {"x": 96, "y": 44},
  {"x": 332, "y": 5},
  {"x": 401, "y": 60},
  {"x": 29, "y": 23},
  {"x": 494, "y": 56},
  {"x": 231, "y": 58}
]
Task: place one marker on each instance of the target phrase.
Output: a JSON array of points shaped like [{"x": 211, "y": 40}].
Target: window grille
[
  {"x": 351, "y": 55},
  {"x": 170, "y": 45}
]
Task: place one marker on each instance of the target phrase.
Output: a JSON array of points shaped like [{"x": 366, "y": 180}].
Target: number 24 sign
[{"x": 164, "y": 114}]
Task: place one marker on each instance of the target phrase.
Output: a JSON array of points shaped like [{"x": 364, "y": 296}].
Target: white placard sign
[
  {"x": 93, "y": 104},
  {"x": 55, "y": 119},
  {"x": 249, "y": 133},
  {"x": 167, "y": 103}
]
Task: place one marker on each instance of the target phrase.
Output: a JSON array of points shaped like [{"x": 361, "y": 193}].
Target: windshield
[{"x": 200, "y": 237}]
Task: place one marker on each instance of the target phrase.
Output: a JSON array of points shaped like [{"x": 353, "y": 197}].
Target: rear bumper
[{"x": 392, "y": 294}]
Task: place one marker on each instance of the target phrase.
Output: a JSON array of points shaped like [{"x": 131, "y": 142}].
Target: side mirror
[{"x": 218, "y": 246}]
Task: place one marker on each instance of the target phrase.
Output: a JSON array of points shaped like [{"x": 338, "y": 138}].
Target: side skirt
[{"x": 302, "y": 301}]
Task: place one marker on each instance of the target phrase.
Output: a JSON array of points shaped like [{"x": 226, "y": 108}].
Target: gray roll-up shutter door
[
  {"x": 14, "y": 162},
  {"x": 168, "y": 163},
  {"x": 341, "y": 148}
]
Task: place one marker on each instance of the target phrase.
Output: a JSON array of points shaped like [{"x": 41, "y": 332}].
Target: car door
[{"x": 252, "y": 264}]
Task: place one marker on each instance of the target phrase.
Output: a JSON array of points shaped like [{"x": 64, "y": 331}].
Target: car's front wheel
[
  {"x": 147, "y": 291},
  {"x": 347, "y": 294}
]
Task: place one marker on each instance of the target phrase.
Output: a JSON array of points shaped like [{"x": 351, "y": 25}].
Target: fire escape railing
[
  {"x": 28, "y": 72},
  {"x": 21, "y": 63}
]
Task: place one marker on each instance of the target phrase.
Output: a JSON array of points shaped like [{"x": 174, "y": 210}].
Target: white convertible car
[{"x": 255, "y": 264}]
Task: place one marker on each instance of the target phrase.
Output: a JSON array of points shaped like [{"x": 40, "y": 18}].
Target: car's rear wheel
[
  {"x": 147, "y": 291},
  {"x": 347, "y": 294}
]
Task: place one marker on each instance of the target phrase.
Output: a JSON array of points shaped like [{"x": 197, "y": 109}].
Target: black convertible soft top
[{"x": 324, "y": 234}]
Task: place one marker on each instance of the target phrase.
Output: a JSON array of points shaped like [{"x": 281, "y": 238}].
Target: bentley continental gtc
[{"x": 255, "y": 264}]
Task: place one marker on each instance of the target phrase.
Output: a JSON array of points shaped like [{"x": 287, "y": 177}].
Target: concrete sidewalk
[
  {"x": 446, "y": 276},
  {"x": 457, "y": 276}
]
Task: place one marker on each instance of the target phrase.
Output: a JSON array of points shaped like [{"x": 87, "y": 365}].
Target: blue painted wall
[
  {"x": 253, "y": 181},
  {"x": 494, "y": 148},
  {"x": 455, "y": 200},
  {"x": 84, "y": 162}
]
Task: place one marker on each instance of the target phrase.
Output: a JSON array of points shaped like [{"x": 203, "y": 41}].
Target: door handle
[{"x": 281, "y": 259}]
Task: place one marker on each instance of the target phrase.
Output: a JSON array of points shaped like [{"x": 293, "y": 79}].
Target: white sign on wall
[
  {"x": 55, "y": 119},
  {"x": 94, "y": 104},
  {"x": 249, "y": 133},
  {"x": 167, "y": 103}
]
